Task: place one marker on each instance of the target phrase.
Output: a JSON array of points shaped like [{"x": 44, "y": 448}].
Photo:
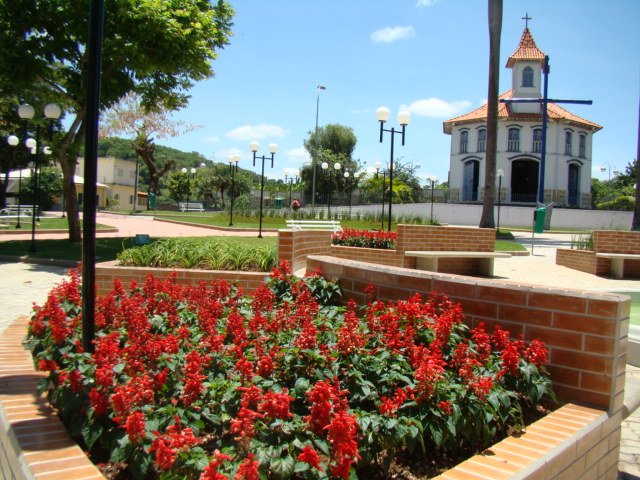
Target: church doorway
[
  {"x": 470, "y": 181},
  {"x": 524, "y": 181},
  {"x": 573, "y": 188}
]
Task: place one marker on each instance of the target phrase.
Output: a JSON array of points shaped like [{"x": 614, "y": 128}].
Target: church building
[{"x": 567, "y": 163}]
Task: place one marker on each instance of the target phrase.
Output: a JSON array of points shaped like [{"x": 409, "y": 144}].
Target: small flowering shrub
[
  {"x": 351, "y": 237},
  {"x": 204, "y": 383}
]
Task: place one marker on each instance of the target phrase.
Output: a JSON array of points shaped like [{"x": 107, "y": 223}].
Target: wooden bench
[
  {"x": 617, "y": 262},
  {"x": 191, "y": 207},
  {"x": 332, "y": 225},
  {"x": 428, "y": 259}
]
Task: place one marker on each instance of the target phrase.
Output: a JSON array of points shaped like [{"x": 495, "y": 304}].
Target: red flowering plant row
[
  {"x": 351, "y": 237},
  {"x": 201, "y": 382}
]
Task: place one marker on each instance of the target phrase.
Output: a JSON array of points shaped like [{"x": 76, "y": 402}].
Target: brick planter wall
[
  {"x": 107, "y": 272},
  {"x": 604, "y": 241},
  {"x": 586, "y": 334},
  {"x": 296, "y": 246},
  {"x": 373, "y": 255}
]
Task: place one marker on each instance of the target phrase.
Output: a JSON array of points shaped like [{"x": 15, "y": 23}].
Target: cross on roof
[{"x": 526, "y": 19}]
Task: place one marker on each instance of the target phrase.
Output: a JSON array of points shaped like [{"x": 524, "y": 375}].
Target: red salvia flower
[
  {"x": 537, "y": 353},
  {"x": 310, "y": 456},
  {"x": 248, "y": 469},
  {"x": 341, "y": 433},
  {"x": 276, "y": 405},
  {"x": 135, "y": 426}
]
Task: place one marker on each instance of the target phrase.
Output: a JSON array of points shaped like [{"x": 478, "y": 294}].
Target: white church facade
[{"x": 567, "y": 165}]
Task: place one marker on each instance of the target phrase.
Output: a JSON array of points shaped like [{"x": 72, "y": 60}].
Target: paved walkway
[{"x": 23, "y": 284}]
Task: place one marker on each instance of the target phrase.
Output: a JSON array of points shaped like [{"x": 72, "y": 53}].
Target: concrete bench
[
  {"x": 332, "y": 225},
  {"x": 617, "y": 261},
  {"x": 428, "y": 259},
  {"x": 191, "y": 207}
]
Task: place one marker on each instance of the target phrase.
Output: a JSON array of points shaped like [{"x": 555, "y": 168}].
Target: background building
[{"x": 567, "y": 177}]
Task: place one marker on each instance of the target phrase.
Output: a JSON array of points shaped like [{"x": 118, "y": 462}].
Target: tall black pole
[
  {"x": 543, "y": 154},
  {"x": 32, "y": 248},
  {"x": 499, "y": 198},
  {"x": 233, "y": 188},
  {"x": 94, "y": 50},
  {"x": 384, "y": 188},
  {"x": 432, "y": 185},
  {"x": 390, "y": 179}
]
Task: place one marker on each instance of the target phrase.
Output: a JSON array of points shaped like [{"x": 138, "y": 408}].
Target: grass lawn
[
  {"x": 509, "y": 246},
  {"x": 47, "y": 223},
  {"x": 106, "y": 248}
]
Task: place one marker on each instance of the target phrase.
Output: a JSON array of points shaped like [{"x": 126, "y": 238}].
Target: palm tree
[{"x": 495, "y": 30}]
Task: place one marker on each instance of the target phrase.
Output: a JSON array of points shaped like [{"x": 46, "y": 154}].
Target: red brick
[
  {"x": 582, "y": 323},
  {"x": 556, "y": 338},
  {"x": 557, "y": 302}
]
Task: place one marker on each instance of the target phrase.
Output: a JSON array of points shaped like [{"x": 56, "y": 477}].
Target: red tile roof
[
  {"x": 527, "y": 50},
  {"x": 554, "y": 112}
]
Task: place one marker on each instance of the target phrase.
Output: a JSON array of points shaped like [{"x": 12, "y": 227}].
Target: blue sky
[{"x": 428, "y": 55}]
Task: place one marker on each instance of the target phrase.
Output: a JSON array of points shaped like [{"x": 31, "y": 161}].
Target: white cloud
[
  {"x": 436, "y": 108},
  {"x": 213, "y": 139},
  {"x": 298, "y": 154},
  {"x": 426, "y": 3},
  {"x": 391, "y": 34},
  {"x": 256, "y": 132}
]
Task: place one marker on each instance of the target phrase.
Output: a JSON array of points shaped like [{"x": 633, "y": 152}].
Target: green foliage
[
  {"x": 624, "y": 202},
  {"x": 187, "y": 378},
  {"x": 582, "y": 241},
  {"x": 208, "y": 253},
  {"x": 49, "y": 188}
]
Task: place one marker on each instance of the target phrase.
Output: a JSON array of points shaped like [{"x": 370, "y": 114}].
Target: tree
[
  {"x": 154, "y": 48},
  {"x": 331, "y": 143},
  {"x": 495, "y": 30},
  {"x": 130, "y": 116},
  {"x": 49, "y": 188}
]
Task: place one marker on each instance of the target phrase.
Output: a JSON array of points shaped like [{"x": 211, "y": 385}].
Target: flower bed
[
  {"x": 351, "y": 237},
  {"x": 283, "y": 384}
]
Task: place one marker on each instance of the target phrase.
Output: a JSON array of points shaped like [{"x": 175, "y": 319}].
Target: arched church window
[
  {"x": 567, "y": 143},
  {"x": 582, "y": 145},
  {"x": 527, "y": 77},
  {"x": 464, "y": 139},
  {"x": 482, "y": 140},
  {"x": 537, "y": 140},
  {"x": 513, "y": 145}
]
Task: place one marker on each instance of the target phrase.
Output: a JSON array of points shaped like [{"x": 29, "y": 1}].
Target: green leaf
[
  {"x": 90, "y": 433},
  {"x": 282, "y": 467}
]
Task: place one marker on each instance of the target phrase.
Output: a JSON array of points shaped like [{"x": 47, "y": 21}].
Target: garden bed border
[{"x": 586, "y": 333}]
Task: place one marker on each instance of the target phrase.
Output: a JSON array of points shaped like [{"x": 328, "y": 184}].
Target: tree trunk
[
  {"x": 67, "y": 158},
  {"x": 635, "y": 225},
  {"x": 495, "y": 30}
]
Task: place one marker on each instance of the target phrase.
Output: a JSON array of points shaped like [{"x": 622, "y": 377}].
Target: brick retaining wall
[
  {"x": 296, "y": 246},
  {"x": 586, "y": 334},
  {"x": 604, "y": 241},
  {"x": 107, "y": 272}
]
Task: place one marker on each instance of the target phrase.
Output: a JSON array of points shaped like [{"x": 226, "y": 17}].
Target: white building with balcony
[{"x": 567, "y": 173}]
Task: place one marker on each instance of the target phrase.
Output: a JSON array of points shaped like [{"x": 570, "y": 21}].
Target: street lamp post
[
  {"x": 404, "y": 117},
  {"x": 233, "y": 168},
  {"x": 273, "y": 148},
  {"x": 13, "y": 141},
  {"x": 315, "y": 153},
  {"x": 193, "y": 176},
  {"x": 325, "y": 168},
  {"x": 26, "y": 112},
  {"x": 378, "y": 165},
  {"x": 433, "y": 181},
  {"x": 291, "y": 181},
  {"x": 500, "y": 174}
]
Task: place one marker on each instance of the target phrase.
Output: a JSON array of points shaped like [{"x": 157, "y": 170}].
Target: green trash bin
[
  {"x": 152, "y": 200},
  {"x": 539, "y": 216},
  {"x": 278, "y": 202}
]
